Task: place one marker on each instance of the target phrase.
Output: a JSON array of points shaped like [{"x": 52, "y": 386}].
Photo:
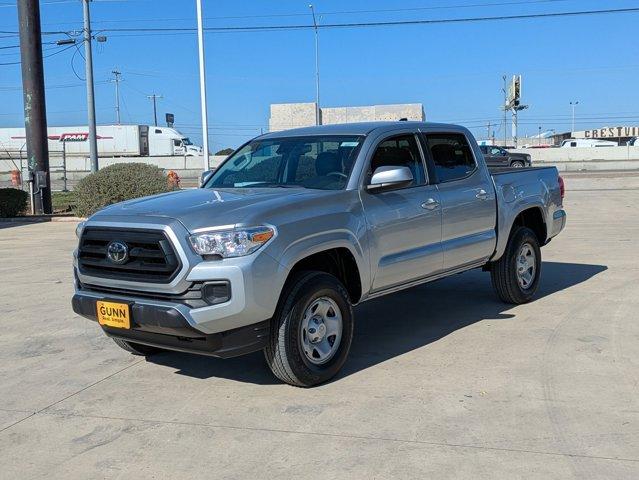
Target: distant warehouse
[
  {"x": 619, "y": 134},
  {"x": 294, "y": 115}
]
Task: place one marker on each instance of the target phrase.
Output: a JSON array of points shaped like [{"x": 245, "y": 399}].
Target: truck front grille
[{"x": 149, "y": 256}]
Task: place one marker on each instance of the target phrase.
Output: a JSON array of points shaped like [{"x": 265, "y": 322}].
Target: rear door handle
[
  {"x": 482, "y": 194},
  {"x": 430, "y": 204}
]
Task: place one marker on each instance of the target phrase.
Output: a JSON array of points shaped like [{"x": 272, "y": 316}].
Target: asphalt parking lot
[{"x": 443, "y": 380}]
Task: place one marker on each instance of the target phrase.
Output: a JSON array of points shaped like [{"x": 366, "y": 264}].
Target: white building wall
[{"x": 293, "y": 115}]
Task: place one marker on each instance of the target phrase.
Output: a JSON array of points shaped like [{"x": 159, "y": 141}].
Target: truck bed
[
  {"x": 502, "y": 170},
  {"x": 518, "y": 189}
]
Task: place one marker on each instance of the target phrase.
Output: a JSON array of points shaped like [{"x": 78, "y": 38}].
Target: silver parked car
[{"x": 296, "y": 227}]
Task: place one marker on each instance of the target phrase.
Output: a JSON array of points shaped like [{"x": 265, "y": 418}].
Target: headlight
[
  {"x": 78, "y": 229},
  {"x": 231, "y": 243}
]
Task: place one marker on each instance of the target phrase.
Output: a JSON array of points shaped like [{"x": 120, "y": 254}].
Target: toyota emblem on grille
[{"x": 117, "y": 252}]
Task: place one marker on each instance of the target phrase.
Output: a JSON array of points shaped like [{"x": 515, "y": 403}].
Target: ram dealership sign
[
  {"x": 74, "y": 137},
  {"x": 608, "y": 132}
]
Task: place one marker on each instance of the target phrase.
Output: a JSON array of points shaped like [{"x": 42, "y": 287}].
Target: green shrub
[
  {"x": 116, "y": 183},
  {"x": 13, "y": 202}
]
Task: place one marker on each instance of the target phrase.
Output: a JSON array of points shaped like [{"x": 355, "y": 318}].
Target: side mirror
[
  {"x": 390, "y": 177},
  {"x": 205, "y": 177}
]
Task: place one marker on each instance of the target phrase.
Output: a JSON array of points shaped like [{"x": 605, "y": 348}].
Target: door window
[
  {"x": 451, "y": 155},
  {"x": 400, "y": 151}
]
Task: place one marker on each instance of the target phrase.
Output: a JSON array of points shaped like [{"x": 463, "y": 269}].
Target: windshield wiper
[{"x": 276, "y": 185}]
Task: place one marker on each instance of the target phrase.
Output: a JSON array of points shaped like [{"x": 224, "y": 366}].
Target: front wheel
[
  {"x": 515, "y": 276},
  {"x": 517, "y": 164},
  {"x": 311, "y": 331}
]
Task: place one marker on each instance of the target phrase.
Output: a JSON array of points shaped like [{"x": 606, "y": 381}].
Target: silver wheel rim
[
  {"x": 321, "y": 330},
  {"x": 518, "y": 165},
  {"x": 526, "y": 266}
]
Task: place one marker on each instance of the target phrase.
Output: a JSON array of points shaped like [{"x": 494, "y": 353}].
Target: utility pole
[
  {"x": 505, "y": 90},
  {"x": 573, "y": 105},
  {"x": 515, "y": 121},
  {"x": 154, "y": 98},
  {"x": 488, "y": 133},
  {"x": 205, "y": 121},
  {"x": 318, "y": 119},
  {"x": 117, "y": 81},
  {"x": 88, "y": 54},
  {"x": 35, "y": 114}
]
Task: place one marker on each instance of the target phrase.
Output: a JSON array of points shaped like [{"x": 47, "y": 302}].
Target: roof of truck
[{"x": 359, "y": 128}]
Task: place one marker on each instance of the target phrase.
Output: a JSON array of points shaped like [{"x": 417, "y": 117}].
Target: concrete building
[
  {"x": 621, "y": 135},
  {"x": 294, "y": 115}
]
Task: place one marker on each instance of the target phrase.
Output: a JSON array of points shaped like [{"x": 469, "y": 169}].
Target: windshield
[
  {"x": 186, "y": 141},
  {"x": 319, "y": 162}
]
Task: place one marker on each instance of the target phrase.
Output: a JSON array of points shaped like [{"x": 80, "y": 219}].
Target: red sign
[{"x": 74, "y": 137}]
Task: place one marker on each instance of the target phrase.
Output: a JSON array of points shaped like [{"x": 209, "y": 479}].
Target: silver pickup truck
[{"x": 297, "y": 227}]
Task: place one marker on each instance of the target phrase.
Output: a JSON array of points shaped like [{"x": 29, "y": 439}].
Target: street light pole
[
  {"x": 317, "y": 74},
  {"x": 573, "y": 105},
  {"x": 93, "y": 142},
  {"x": 539, "y": 137},
  {"x": 205, "y": 122}
]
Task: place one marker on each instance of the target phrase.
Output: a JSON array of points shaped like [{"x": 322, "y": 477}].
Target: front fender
[{"x": 311, "y": 244}]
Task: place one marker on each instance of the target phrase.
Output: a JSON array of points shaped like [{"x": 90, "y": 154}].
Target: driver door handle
[
  {"x": 430, "y": 204},
  {"x": 482, "y": 194}
]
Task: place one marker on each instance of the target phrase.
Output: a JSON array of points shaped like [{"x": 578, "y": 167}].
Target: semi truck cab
[{"x": 168, "y": 141}]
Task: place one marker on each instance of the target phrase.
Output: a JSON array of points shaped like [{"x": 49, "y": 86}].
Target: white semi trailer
[{"x": 113, "y": 141}]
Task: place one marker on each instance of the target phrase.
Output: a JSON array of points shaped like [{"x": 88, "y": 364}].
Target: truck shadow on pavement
[{"x": 399, "y": 323}]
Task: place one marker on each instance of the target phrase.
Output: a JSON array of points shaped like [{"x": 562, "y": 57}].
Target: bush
[
  {"x": 225, "y": 151},
  {"x": 116, "y": 183},
  {"x": 13, "y": 202}
]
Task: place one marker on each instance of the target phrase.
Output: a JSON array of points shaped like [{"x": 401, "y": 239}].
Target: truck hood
[{"x": 204, "y": 207}]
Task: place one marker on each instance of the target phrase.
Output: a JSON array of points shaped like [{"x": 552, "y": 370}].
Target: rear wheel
[
  {"x": 136, "y": 348},
  {"x": 312, "y": 330},
  {"x": 515, "y": 276}
]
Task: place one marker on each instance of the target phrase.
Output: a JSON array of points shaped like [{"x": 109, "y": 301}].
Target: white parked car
[{"x": 588, "y": 142}]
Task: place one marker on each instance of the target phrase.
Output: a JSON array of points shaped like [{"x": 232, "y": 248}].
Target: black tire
[
  {"x": 136, "y": 348},
  {"x": 503, "y": 272},
  {"x": 284, "y": 352},
  {"x": 517, "y": 164}
]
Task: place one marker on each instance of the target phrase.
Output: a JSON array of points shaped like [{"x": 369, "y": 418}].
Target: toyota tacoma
[{"x": 296, "y": 227}]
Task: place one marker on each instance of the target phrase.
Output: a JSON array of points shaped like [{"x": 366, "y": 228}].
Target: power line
[
  {"x": 375, "y": 24},
  {"x": 51, "y": 87},
  {"x": 44, "y": 56},
  {"x": 339, "y": 12},
  {"x": 266, "y": 28}
]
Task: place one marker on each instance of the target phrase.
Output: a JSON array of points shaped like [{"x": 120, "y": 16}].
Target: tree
[{"x": 225, "y": 151}]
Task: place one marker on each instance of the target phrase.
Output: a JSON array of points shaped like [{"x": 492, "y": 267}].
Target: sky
[{"x": 454, "y": 69}]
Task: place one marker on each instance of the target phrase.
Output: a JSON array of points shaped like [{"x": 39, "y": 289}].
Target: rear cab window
[{"x": 451, "y": 155}]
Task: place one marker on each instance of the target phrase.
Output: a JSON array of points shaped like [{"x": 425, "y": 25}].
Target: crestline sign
[{"x": 608, "y": 132}]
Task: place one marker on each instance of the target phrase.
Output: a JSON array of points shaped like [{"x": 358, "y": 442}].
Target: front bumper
[
  {"x": 255, "y": 281},
  {"x": 166, "y": 325}
]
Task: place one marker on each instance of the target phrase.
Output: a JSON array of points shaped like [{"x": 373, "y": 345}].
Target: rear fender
[{"x": 512, "y": 202}]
